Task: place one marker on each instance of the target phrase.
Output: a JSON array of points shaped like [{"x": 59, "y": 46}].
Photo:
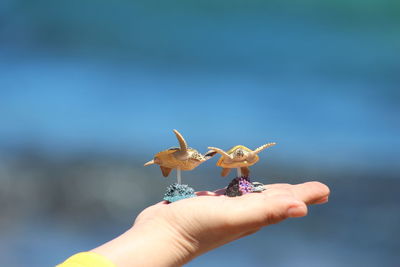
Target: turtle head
[
  {"x": 194, "y": 155},
  {"x": 240, "y": 154}
]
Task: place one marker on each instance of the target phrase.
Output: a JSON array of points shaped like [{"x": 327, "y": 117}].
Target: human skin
[{"x": 172, "y": 234}]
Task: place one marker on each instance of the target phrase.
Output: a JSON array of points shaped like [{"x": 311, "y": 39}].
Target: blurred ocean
[{"x": 91, "y": 90}]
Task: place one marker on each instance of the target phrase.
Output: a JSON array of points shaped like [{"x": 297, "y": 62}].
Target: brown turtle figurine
[
  {"x": 238, "y": 157},
  {"x": 181, "y": 158}
]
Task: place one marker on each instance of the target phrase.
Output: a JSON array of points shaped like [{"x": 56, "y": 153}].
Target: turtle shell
[
  {"x": 167, "y": 159},
  {"x": 236, "y": 164}
]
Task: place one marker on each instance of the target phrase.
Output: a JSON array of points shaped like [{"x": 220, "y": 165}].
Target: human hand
[{"x": 175, "y": 233}]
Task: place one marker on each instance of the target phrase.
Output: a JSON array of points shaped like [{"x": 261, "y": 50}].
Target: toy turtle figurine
[
  {"x": 240, "y": 157},
  {"x": 179, "y": 158}
]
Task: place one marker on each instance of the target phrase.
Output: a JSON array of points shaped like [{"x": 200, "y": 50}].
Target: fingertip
[
  {"x": 322, "y": 189},
  {"x": 297, "y": 209},
  {"x": 311, "y": 192},
  {"x": 326, "y": 189},
  {"x": 322, "y": 200}
]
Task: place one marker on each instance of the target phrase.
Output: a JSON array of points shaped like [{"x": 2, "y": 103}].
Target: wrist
[{"x": 154, "y": 243}]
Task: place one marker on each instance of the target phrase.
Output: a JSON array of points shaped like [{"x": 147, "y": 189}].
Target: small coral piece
[
  {"x": 177, "y": 192},
  {"x": 242, "y": 185},
  {"x": 258, "y": 187},
  {"x": 239, "y": 186}
]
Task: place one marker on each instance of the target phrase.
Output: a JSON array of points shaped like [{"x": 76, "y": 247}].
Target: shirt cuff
[{"x": 87, "y": 259}]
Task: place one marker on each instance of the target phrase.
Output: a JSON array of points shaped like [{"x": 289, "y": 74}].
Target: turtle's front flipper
[
  {"x": 182, "y": 142},
  {"x": 220, "y": 151},
  {"x": 210, "y": 154},
  {"x": 165, "y": 171},
  {"x": 182, "y": 153},
  {"x": 261, "y": 148},
  {"x": 253, "y": 154},
  {"x": 225, "y": 171},
  {"x": 245, "y": 171}
]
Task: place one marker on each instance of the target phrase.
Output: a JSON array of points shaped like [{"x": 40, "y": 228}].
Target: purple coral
[
  {"x": 239, "y": 186},
  {"x": 245, "y": 186}
]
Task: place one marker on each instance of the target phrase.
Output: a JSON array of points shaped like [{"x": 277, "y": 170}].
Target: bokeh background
[{"x": 90, "y": 90}]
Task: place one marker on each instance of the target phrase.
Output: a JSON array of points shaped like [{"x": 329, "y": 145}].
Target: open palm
[{"x": 180, "y": 231}]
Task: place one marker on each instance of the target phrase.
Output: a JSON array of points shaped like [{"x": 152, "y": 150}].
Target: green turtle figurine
[
  {"x": 238, "y": 157},
  {"x": 183, "y": 157},
  {"x": 179, "y": 158},
  {"x": 241, "y": 158}
]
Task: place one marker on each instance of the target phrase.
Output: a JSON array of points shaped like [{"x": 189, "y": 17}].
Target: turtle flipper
[
  {"x": 165, "y": 171},
  {"x": 149, "y": 163},
  {"x": 220, "y": 151},
  {"x": 261, "y": 148},
  {"x": 225, "y": 171},
  {"x": 182, "y": 143},
  {"x": 245, "y": 171},
  {"x": 182, "y": 153},
  {"x": 210, "y": 154}
]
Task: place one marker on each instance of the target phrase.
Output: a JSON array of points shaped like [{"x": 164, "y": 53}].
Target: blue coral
[{"x": 177, "y": 192}]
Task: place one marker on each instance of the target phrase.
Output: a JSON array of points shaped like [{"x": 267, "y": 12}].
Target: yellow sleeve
[{"x": 87, "y": 259}]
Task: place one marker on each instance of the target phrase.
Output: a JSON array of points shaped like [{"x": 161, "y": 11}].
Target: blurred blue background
[{"x": 90, "y": 90}]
